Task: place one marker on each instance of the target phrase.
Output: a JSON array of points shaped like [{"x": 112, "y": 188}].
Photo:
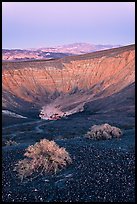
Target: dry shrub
[
  {"x": 44, "y": 156},
  {"x": 104, "y": 131}
]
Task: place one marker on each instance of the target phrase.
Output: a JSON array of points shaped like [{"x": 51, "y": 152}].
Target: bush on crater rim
[
  {"x": 44, "y": 156},
  {"x": 104, "y": 131}
]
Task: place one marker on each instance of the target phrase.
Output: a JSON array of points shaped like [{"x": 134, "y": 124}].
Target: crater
[{"x": 58, "y": 88}]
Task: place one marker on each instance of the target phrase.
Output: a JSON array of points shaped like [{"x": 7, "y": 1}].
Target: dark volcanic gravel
[{"x": 98, "y": 173}]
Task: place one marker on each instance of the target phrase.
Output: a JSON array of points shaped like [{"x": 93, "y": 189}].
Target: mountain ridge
[{"x": 52, "y": 52}]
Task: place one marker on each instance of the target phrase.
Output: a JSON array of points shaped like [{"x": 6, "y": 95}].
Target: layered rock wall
[{"x": 87, "y": 76}]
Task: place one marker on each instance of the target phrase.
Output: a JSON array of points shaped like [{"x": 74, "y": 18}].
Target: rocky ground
[{"x": 101, "y": 170}]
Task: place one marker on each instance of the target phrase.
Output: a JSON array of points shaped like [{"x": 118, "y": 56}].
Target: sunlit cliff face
[{"x": 62, "y": 87}]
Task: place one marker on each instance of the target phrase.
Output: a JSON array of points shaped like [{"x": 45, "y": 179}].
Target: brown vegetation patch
[
  {"x": 44, "y": 156},
  {"x": 104, "y": 131}
]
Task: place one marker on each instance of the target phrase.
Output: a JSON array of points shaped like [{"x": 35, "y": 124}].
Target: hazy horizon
[
  {"x": 65, "y": 45},
  {"x": 50, "y": 24},
  {"x": 68, "y": 44}
]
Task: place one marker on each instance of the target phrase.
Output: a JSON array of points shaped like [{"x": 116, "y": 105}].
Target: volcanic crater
[
  {"x": 60, "y": 100},
  {"x": 64, "y": 86}
]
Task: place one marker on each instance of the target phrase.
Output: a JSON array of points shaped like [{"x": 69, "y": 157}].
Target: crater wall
[{"x": 68, "y": 82}]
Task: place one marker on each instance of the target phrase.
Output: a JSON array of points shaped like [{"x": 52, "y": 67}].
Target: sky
[{"x": 48, "y": 24}]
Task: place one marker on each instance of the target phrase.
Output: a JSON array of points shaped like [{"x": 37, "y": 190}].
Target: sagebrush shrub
[
  {"x": 104, "y": 131},
  {"x": 44, "y": 156}
]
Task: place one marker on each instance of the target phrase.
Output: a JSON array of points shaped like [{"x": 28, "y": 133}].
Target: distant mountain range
[{"x": 52, "y": 52}]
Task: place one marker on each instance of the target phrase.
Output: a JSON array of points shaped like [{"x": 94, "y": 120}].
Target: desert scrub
[
  {"x": 44, "y": 156},
  {"x": 104, "y": 131}
]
